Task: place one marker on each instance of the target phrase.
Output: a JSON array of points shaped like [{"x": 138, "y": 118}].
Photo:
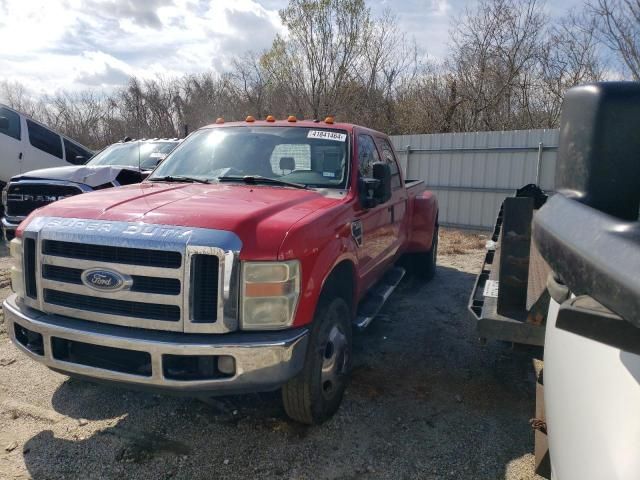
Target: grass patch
[{"x": 454, "y": 241}]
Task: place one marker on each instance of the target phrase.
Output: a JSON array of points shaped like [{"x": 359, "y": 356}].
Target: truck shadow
[{"x": 426, "y": 401}]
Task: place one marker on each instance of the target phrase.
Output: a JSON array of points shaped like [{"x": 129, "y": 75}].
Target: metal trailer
[{"x": 509, "y": 299}]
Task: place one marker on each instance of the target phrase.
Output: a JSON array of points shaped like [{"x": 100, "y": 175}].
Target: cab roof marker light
[
  {"x": 219, "y": 120},
  {"x": 329, "y": 120},
  {"x": 292, "y": 118},
  {"x": 271, "y": 118},
  {"x": 250, "y": 119}
]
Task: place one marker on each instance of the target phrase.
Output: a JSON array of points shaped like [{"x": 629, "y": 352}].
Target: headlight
[
  {"x": 17, "y": 276},
  {"x": 270, "y": 292}
]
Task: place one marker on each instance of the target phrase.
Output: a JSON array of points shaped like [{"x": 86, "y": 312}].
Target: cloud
[
  {"x": 143, "y": 13},
  {"x": 73, "y": 44},
  {"x": 110, "y": 76}
]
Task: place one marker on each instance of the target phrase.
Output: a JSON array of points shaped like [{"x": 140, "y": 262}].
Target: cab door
[
  {"x": 399, "y": 199},
  {"x": 373, "y": 226}
]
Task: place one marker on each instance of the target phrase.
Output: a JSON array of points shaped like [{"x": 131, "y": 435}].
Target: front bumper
[{"x": 263, "y": 361}]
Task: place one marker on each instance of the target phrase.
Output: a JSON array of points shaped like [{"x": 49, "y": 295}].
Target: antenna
[{"x": 139, "y": 166}]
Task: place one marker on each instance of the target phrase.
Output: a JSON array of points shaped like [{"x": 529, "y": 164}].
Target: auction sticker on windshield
[{"x": 326, "y": 135}]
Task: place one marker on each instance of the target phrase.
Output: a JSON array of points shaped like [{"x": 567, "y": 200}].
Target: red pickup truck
[{"x": 241, "y": 264}]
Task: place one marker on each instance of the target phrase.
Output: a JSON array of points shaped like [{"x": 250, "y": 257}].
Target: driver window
[{"x": 367, "y": 155}]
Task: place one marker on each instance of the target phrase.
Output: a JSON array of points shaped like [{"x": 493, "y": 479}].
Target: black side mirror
[
  {"x": 382, "y": 173},
  {"x": 368, "y": 188},
  {"x": 599, "y": 147},
  {"x": 4, "y": 123},
  {"x": 376, "y": 190}
]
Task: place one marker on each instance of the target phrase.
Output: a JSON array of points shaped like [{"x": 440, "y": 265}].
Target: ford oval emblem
[{"x": 105, "y": 280}]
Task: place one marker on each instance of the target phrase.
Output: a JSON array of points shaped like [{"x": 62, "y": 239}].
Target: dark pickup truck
[{"x": 122, "y": 163}]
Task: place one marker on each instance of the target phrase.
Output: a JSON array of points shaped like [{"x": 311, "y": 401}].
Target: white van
[{"x": 27, "y": 145}]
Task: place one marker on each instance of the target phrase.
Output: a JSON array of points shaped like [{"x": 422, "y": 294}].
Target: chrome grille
[
  {"x": 125, "y": 308},
  {"x": 173, "y": 281},
  {"x": 166, "y": 286},
  {"x": 106, "y": 253}
]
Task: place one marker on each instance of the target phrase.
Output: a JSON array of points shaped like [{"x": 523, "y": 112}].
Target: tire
[
  {"x": 315, "y": 394},
  {"x": 425, "y": 263}
]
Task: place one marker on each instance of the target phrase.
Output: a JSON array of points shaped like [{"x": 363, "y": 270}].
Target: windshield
[
  {"x": 128, "y": 154},
  {"x": 306, "y": 156}
]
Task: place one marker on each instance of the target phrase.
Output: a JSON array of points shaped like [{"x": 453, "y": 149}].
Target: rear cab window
[
  {"x": 389, "y": 157},
  {"x": 44, "y": 139},
  {"x": 13, "y": 123}
]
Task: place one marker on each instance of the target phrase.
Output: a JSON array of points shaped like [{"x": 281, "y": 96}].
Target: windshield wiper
[
  {"x": 255, "y": 179},
  {"x": 178, "y": 178}
]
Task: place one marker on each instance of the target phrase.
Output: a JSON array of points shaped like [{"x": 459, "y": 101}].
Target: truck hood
[
  {"x": 92, "y": 176},
  {"x": 260, "y": 215}
]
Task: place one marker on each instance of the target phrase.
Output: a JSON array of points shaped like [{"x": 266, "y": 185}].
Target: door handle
[{"x": 20, "y": 156}]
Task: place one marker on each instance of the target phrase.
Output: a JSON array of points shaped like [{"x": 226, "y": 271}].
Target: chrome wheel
[{"x": 335, "y": 359}]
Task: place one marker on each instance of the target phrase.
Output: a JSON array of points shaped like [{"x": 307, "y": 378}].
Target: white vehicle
[
  {"x": 26, "y": 145},
  {"x": 583, "y": 277},
  {"x": 589, "y": 234}
]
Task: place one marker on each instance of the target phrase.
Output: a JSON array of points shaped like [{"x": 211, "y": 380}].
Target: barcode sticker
[
  {"x": 327, "y": 135},
  {"x": 491, "y": 289}
]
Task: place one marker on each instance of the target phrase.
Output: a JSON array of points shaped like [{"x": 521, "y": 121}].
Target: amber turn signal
[{"x": 267, "y": 289}]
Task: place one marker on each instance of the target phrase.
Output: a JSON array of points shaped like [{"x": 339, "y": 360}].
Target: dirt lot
[{"x": 426, "y": 401}]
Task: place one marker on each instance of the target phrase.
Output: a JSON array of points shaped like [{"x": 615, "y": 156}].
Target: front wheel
[{"x": 315, "y": 394}]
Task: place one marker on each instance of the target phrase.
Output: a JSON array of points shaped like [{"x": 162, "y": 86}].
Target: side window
[
  {"x": 390, "y": 158},
  {"x": 44, "y": 139},
  {"x": 10, "y": 126},
  {"x": 367, "y": 155},
  {"x": 285, "y": 156},
  {"x": 75, "y": 154}
]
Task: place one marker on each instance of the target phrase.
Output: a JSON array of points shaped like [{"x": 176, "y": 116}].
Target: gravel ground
[{"x": 426, "y": 401}]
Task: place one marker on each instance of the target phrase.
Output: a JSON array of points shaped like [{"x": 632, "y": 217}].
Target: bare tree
[
  {"x": 15, "y": 95},
  {"x": 314, "y": 64},
  {"x": 570, "y": 56},
  {"x": 494, "y": 45},
  {"x": 618, "y": 25}
]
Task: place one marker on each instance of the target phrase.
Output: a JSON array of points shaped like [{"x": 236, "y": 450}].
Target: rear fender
[{"x": 423, "y": 221}]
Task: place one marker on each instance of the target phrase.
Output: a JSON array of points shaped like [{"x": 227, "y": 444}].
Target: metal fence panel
[{"x": 473, "y": 172}]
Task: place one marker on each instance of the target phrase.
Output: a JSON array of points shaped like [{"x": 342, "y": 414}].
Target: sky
[{"x": 53, "y": 45}]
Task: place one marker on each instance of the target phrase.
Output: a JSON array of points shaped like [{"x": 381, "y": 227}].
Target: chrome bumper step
[{"x": 377, "y": 297}]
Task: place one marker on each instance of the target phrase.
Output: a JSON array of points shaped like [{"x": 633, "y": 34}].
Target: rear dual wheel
[{"x": 426, "y": 262}]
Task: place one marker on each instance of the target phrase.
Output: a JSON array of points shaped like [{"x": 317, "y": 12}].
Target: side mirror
[
  {"x": 368, "y": 188},
  {"x": 599, "y": 147},
  {"x": 376, "y": 190},
  {"x": 4, "y": 123},
  {"x": 382, "y": 173}
]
